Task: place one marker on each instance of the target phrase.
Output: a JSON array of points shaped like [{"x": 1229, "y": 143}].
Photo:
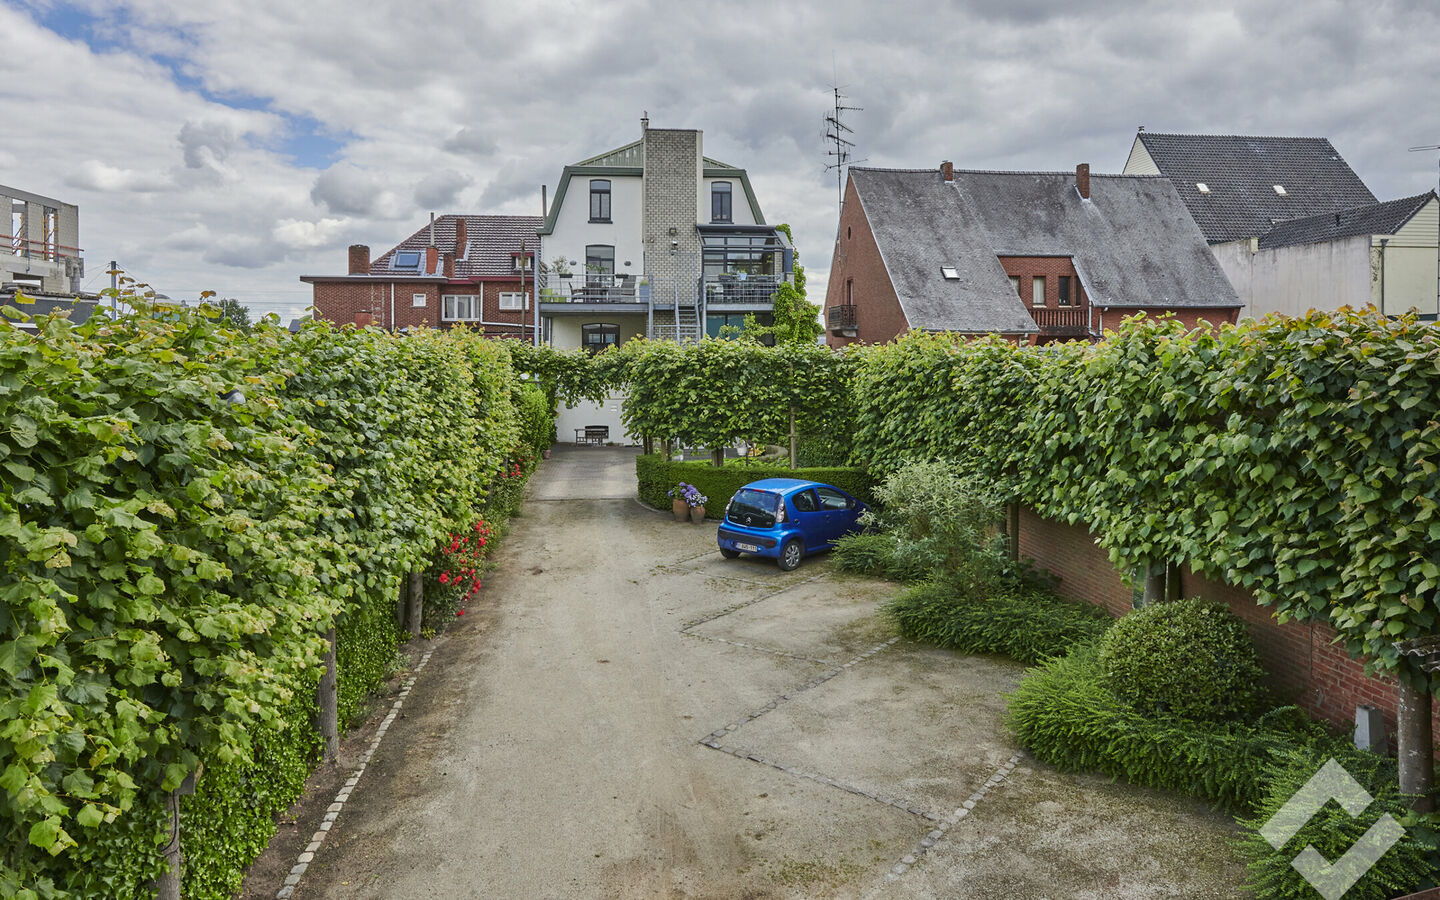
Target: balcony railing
[
  {"x": 590, "y": 288},
  {"x": 842, "y": 318},
  {"x": 722, "y": 289},
  {"x": 1064, "y": 321}
]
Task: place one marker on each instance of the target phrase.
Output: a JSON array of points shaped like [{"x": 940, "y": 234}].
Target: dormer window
[
  {"x": 520, "y": 262},
  {"x": 720, "y": 208},
  {"x": 406, "y": 259},
  {"x": 600, "y": 200}
]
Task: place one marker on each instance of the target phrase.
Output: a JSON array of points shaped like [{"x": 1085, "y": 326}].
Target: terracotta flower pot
[
  {"x": 697, "y": 514},
  {"x": 681, "y": 511}
]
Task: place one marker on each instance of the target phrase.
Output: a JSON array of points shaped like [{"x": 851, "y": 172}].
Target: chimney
[
  {"x": 1082, "y": 180},
  {"x": 644, "y": 121},
  {"x": 462, "y": 240},
  {"x": 947, "y": 170},
  {"x": 449, "y": 265},
  {"x": 432, "y": 229},
  {"x": 432, "y": 255},
  {"x": 359, "y": 259}
]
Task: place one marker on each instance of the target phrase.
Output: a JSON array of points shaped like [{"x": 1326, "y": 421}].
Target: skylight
[
  {"x": 950, "y": 273},
  {"x": 1280, "y": 189},
  {"x": 406, "y": 259},
  {"x": 1202, "y": 187}
]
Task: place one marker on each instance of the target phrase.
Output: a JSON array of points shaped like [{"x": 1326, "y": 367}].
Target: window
[
  {"x": 1280, "y": 189},
  {"x": 1065, "y": 298},
  {"x": 459, "y": 308},
  {"x": 514, "y": 300},
  {"x": 950, "y": 273},
  {"x": 1202, "y": 187},
  {"x": 599, "y": 261},
  {"x": 720, "y": 201},
  {"x": 418, "y": 300},
  {"x": 850, "y": 291},
  {"x": 832, "y": 499},
  {"x": 406, "y": 259},
  {"x": 1037, "y": 290},
  {"x": 595, "y": 338},
  {"x": 1015, "y": 285},
  {"x": 600, "y": 200},
  {"x": 521, "y": 261},
  {"x": 805, "y": 502}
]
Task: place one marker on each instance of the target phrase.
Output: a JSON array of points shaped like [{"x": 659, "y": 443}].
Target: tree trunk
[
  {"x": 1154, "y": 584},
  {"x": 417, "y": 600},
  {"x": 400, "y": 604},
  {"x": 647, "y": 445},
  {"x": 328, "y": 703},
  {"x": 717, "y": 456},
  {"x": 1416, "y": 743},
  {"x": 794, "y": 442},
  {"x": 167, "y": 886}
]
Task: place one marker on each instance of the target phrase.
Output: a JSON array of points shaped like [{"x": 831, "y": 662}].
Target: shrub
[
  {"x": 536, "y": 411},
  {"x": 656, "y": 475},
  {"x": 1191, "y": 658},
  {"x": 869, "y": 553},
  {"x": 1408, "y": 866},
  {"x": 944, "y": 523},
  {"x": 1027, "y": 626},
  {"x": 453, "y": 577},
  {"x": 1066, "y": 715}
]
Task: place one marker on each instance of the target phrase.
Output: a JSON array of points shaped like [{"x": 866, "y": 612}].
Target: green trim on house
[
  {"x": 712, "y": 169},
  {"x": 732, "y": 172}
]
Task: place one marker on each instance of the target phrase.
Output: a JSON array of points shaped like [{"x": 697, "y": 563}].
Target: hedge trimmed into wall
[{"x": 657, "y": 475}]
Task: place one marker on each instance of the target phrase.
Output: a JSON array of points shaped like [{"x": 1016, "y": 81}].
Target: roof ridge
[
  {"x": 1397, "y": 202},
  {"x": 1248, "y": 137}
]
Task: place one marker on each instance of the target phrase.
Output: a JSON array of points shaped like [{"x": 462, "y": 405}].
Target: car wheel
[
  {"x": 729, "y": 554},
  {"x": 790, "y": 555}
]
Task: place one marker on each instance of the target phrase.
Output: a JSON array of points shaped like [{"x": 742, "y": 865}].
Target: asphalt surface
[{"x": 626, "y": 714}]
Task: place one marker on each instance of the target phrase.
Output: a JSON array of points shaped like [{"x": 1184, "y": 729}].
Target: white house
[{"x": 655, "y": 239}]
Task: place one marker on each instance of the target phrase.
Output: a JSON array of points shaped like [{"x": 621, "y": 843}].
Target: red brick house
[
  {"x": 458, "y": 269},
  {"x": 1033, "y": 256}
]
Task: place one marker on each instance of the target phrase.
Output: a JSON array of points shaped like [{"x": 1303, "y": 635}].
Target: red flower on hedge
[{"x": 444, "y": 577}]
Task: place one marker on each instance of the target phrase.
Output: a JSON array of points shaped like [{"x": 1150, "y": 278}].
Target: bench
[{"x": 592, "y": 434}]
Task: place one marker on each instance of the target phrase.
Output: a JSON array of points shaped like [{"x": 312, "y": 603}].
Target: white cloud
[
  {"x": 95, "y": 175},
  {"x": 302, "y": 235},
  {"x": 439, "y": 189}
]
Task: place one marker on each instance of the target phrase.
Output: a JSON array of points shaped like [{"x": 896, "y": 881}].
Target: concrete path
[{"x": 629, "y": 715}]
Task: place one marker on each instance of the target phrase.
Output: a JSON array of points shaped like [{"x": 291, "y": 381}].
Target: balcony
[
  {"x": 726, "y": 288},
  {"x": 842, "y": 320},
  {"x": 591, "y": 288},
  {"x": 1062, "y": 322}
]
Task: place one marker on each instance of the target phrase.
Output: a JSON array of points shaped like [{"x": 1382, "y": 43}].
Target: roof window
[
  {"x": 406, "y": 259},
  {"x": 1202, "y": 187},
  {"x": 950, "y": 273},
  {"x": 1280, "y": 189}
]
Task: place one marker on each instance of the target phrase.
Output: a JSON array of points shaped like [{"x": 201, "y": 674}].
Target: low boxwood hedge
[{"x": 656, "y": 475}]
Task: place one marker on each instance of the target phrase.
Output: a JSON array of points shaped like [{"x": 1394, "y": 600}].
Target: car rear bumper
[{"x": 730, "y": 537}]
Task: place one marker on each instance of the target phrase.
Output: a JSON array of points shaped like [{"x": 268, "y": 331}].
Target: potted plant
[{"x": 686, "y": 502}]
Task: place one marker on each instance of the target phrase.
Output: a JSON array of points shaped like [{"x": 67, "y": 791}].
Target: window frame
[
  {"x": 509, "y": 296},
  {"x": 419, "y": 301},
  {"x": 1066, "y": 296},
  {"x": 603, "y": 329},
  {"x": 600, "y": 200},
  {"x": 728, "y": 214},
  {"x": 1038, "y": 281},
  {"x": 449, "y": 307}
]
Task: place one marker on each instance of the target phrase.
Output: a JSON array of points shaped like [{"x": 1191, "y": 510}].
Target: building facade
[
  {"x": 1032, "y": 256},
  {"x": 42, "y": 250},
  {"x": 653, "y": 239},
  {"x": 472, "y": 270}
]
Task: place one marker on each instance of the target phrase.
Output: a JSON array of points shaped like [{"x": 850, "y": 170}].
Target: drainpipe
[
  {"x": 1383, "y": 242},
  {"x": 392, "y": 307}
]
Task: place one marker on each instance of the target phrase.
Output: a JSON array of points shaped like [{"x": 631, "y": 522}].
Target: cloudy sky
[{"x": 233, "y": 147}]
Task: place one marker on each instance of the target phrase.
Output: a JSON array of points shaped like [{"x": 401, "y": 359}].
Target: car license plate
[{"x": 748, "y": 548}]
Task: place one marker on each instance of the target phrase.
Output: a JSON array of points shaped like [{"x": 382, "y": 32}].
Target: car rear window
[{"x": 753, "y": 508}]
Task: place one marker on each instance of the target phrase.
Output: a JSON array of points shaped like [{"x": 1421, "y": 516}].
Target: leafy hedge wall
[
  {"x": 187, "y": 509},
  {"x": 657, "y": 475},
  {"x": 1298, "y": 458}
]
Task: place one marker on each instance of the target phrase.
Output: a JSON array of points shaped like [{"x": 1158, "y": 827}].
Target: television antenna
[
  {"x": 1426, "y": 149},
  {"x": 835, "y": 132}
]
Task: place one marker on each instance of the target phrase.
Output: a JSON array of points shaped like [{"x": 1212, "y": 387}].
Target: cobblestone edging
[
  {"x": 333, "y": 812},
  {"x": 934, "y": 837}
]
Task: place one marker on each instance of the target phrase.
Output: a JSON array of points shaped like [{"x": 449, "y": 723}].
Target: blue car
[{"x": 786, "y": 518}]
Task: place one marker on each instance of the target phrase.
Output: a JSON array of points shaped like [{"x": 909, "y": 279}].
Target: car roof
[{"x": 782, "y": 485}]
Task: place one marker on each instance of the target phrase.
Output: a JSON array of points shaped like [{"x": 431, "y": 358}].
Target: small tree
[
  {"x": 234, "y": 313},
  {"x": 797, "y": 321}
]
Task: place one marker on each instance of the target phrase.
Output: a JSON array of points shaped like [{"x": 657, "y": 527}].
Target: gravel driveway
[{"x": 629, "y": 715}]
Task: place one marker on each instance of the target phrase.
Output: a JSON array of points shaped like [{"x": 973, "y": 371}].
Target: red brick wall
[
  {"x": 340, "y": 301},
  {"x": 1110, "y": 318},
  {"x": 1304, "y": 664},
  {"x": 857, "y": 257},
  {"x": 1051, "y": 267}
]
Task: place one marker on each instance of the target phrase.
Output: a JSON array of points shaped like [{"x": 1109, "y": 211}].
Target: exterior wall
[
  {"x": 1107, "y": 319},
  {"x": 341, "y": 301},
  {"x": 740, "y": 212},
  {"x": 564, "y": 335},
  {"x": 574, "y": 231},
  {"x": 878, "y": 314},
  {"x": 1304, "y": 664},
  {"x": 1139, "y": 162},
  {"x": 62, "y": 273},
  {"x": 1051, "y": 267},
  {"x": 1410, "y": 264},
  {"x": 1292, "y": 280},
  {"x": 673, "y": 186}
]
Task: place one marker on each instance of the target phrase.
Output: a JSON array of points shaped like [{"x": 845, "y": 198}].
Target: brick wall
[
  {"x": 1110, "y": 318},
  {"x": 857, "y": 257},
  {"x": 1303, "y": 663},
  {"x": 672, "y": 201},
  {"x": 1049, "y": 267},
  {"x": 341, "y": 301}
]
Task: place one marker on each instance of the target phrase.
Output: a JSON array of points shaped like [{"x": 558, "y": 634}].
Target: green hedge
[
  {"x": 657, "y": 475},
  {"x": 1026, "y": 625},
  {"x": 1065, "y": 714}
]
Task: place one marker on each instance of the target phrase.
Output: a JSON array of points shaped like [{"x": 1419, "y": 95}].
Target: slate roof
[
  {"x": 1375, "y": 218},
  {"x": 1133, "y": 244},
  {"x": 1242, "y": 171},
  {"x": 491, "y": 241}
]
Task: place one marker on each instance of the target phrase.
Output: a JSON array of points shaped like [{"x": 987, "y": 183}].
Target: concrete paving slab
[{"x": 830, "y": 618}]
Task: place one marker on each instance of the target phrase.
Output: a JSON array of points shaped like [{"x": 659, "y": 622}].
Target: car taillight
[{"x": 780, "y": 514}]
